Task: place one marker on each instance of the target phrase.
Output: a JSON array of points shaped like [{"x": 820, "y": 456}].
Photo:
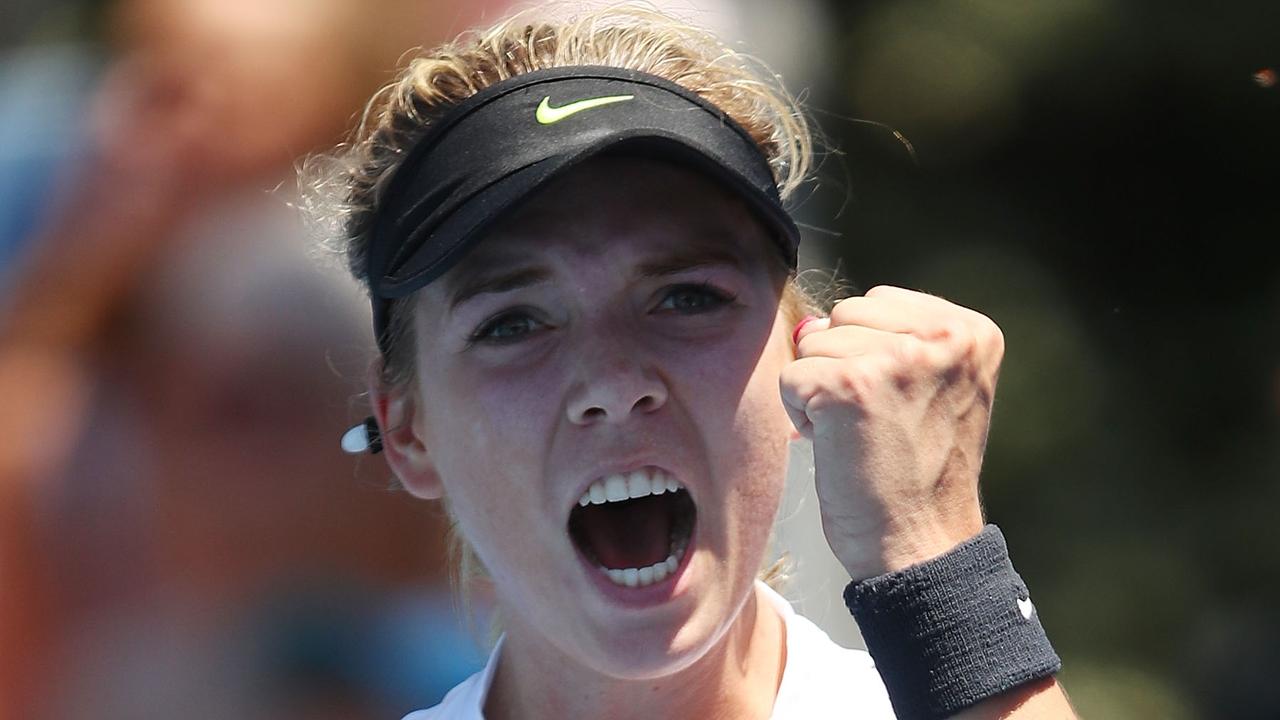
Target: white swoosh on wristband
[{"x": 1026, "y": 608}]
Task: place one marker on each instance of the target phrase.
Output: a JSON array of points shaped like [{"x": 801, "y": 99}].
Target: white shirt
[{"x": 821, "y": 679}]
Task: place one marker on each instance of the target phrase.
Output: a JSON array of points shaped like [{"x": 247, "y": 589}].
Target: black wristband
[{"x": 952, "y": 631}]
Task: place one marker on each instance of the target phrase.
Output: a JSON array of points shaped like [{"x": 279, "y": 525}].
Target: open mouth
[{"x": 634, "y": 527}]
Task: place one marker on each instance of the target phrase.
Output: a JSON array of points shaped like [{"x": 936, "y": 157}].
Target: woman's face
[{"x": 626, "y": 319}]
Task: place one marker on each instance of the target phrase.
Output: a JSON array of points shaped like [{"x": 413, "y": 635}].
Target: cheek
[
  {"x": 488, "y": 445},
  {"x": 759, "y": 415},
  {"x": 492, "y": 417},
  {"x": 763, "y": 433},
  {"x": 749, "y": 433}
]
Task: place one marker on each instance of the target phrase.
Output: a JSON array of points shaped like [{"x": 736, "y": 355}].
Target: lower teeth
[
  {"x": 681, "y": 532},
  {"x": 657, "y": 572}
]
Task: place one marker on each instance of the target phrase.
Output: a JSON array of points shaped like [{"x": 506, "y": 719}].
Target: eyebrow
[
  {"x": 503, "y": 282},
  {"x": 679, "y": 261}
]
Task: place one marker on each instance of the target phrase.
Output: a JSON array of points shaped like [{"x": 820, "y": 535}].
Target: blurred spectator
[{"x": 176, "y": 374}]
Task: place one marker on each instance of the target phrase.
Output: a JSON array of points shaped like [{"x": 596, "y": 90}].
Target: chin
[
  {"x": 657, "y": 649},
  {"x": 646, "y": 659}
]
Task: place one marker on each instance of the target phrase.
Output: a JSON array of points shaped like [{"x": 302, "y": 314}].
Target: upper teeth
[{"x": 635, "y": 484}]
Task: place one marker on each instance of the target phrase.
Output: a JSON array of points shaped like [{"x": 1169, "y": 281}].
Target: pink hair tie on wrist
[{"x": 795, "y": 334}]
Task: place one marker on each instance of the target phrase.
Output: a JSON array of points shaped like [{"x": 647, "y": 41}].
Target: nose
[{"x": 615, "y": 383}]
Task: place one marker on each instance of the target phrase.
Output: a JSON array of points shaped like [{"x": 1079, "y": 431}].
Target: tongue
[{"x": 630, "y": 534}]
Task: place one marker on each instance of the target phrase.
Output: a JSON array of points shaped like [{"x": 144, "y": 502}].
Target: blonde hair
[{"x": 342, "y": 190}]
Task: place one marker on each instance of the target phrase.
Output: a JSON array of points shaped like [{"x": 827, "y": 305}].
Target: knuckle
[
  {"x": 860, "y": 381},
  {"x": 826, "y": 408},
  {"x": 795, "y": 382},
  {"x": 960, "y": 337},
  {"x": 952, "y": 330},
  {"x": 914, "y": 352}
]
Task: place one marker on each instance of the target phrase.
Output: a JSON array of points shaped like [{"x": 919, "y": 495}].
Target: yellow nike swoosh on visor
[{"x": 547, "y": 115}]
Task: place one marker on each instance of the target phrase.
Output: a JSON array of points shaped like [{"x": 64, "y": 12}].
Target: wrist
[
  {"x": 954, "y": 631},
  {"x": 900, "y": 544}
]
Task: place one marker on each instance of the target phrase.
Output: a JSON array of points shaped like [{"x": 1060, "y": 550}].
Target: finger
[
  {"x": 889, "y": 313},
  {"x": 846, "y": 341},
  {"x": 904, "y": 294},
  {"x": 947, "y": 333},
  {"x": 944, "y": 318},
  {"x": 799, "y": 382},
  {"x": 883, "y": 314},
  {"x": 965, "y": 330},
  {"x": 808, "y": 326}
]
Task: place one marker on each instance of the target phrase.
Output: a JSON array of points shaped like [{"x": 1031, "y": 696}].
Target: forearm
[{"x": 1037, "y": 700}]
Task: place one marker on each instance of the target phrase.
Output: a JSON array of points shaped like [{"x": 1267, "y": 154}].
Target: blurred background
[{"x": 180, "y": 535}]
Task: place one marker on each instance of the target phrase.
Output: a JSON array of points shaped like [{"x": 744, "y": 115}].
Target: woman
[{"x": 593, "y": 351}]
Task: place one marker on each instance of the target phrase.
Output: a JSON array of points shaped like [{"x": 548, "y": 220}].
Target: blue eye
[
  {"x": 694, "y": 298},
  {"x": 506, "y": 327}
]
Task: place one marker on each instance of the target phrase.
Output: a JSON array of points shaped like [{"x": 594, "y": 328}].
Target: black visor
[{"x": 500, "y": 145}]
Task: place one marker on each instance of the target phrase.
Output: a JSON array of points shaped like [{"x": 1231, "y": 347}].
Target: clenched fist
[{"x": 895, "y": 391}]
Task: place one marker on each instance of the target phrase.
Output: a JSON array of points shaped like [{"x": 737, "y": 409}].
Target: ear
[{"x": 403, "y": 446}]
